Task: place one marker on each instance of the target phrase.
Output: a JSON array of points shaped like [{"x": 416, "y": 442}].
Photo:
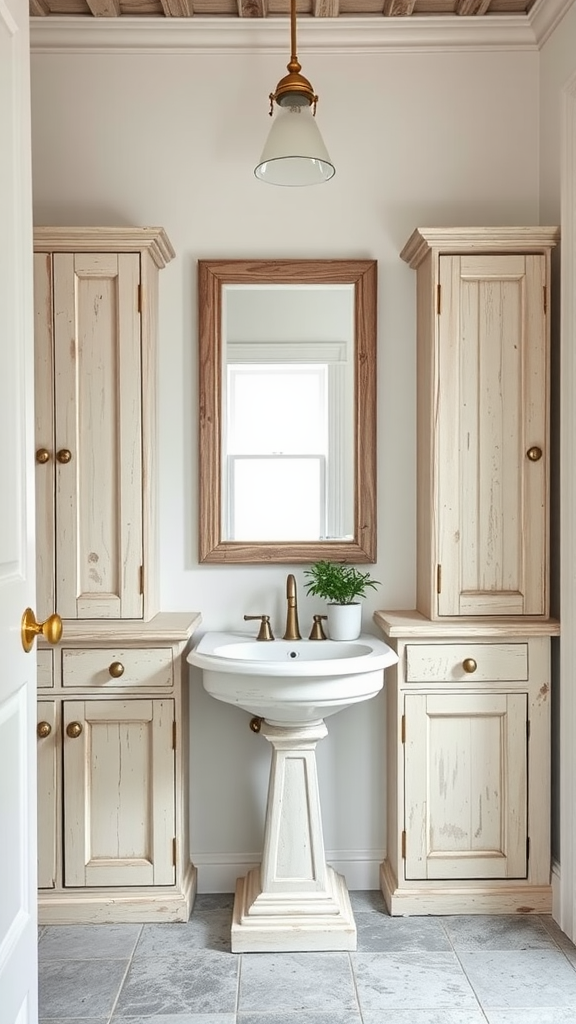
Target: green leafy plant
[{"x": 337, "y": 582}]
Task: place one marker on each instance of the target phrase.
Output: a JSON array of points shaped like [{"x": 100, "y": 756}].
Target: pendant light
[{"x": 294, "y": 153}]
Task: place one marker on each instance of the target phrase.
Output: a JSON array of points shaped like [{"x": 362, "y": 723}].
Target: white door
[{"x": 18, "y": 958}]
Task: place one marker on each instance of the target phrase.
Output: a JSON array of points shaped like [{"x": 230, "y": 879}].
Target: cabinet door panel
[
  {"x": 119, "y": 793},
  {"x": 48, "y": 795},
  {"x": 98, "y": 421},
  {"x": 492, "y": 520},
  {"x": 466, "y": 785}
]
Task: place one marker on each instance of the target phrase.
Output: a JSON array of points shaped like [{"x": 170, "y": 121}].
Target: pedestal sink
[{"x": 293, "y": 900}]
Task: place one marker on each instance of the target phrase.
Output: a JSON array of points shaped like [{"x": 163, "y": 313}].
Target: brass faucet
[{"x": 292, "y": 628}]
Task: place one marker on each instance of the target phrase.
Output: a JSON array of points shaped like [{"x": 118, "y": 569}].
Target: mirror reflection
[{"x": 287, "y": 410}]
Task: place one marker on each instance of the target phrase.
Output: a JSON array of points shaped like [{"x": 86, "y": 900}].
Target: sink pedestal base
[{"x": 293, "y": 901}]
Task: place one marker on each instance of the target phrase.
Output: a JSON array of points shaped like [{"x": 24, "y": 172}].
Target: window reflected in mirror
[{"x": 287, "y": 410}]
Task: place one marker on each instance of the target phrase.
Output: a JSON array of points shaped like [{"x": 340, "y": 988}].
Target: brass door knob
[
  {"x": 469, "y": 665},
  {"x": 74, "y": 730},
  {"x": 51, "y": 629},
  {"x": 43, "y": 729},
  {"x": 116, "y": 669},
  {"x": 534, "y": 453},
  {"x": 64, "y": 455},
  {"x": 42, "y": 456}
]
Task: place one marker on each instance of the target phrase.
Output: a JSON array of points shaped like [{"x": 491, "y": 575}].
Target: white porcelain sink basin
[{"x": 291, "y": 682}]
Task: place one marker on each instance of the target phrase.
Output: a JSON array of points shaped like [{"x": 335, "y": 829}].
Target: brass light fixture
[{"x": 294, "y": 153}]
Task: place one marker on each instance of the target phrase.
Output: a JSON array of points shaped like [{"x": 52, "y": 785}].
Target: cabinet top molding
[
  {"x": 105, "y": 239},
  {"x": 478, "y": 240}
]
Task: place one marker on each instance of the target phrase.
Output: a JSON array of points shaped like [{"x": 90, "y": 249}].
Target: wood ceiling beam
[
  {"x": 326, "y": 8},
  {"x": 465, "y": 7},
  {"x": 177, "y": 8},
  {"x": 398, "y": 8},
  {"x": 104, "y": 8},
  {"x": 252, "y": 8}
]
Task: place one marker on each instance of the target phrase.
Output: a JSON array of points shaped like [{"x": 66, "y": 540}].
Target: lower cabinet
[
  {"x": 468, "y": 766},
  {"x": 113, "y": 839}
]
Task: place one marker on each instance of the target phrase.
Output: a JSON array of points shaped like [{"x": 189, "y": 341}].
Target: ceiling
[{"x": 449, "y": 9}]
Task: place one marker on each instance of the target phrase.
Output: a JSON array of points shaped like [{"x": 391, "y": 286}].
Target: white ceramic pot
[{"x": 344, "y": 621}]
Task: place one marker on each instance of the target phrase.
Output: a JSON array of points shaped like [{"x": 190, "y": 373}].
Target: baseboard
[{"x": 218, "y": 872}]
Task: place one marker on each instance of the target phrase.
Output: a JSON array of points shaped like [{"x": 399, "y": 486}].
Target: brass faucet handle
[
  {"x": 265, "y": 631},
  {"x": 317, "y": 632}
]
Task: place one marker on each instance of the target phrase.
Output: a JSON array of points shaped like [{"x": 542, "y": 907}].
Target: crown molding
[{"x": 321, "y": 35}]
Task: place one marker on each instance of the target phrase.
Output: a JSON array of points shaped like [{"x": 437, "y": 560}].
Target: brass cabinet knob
[
  {"x": 64, "y": 455},
  {"x": 469, "y": 665},
  {"x": 74, "y": 730},
  {"x": 51, "y": 629},
  {"x": 116, "y": 669},
  {"x": 43, "y": 729},
  {"x": 42, "y": 456},
  {"x": 534, "y": 453}
]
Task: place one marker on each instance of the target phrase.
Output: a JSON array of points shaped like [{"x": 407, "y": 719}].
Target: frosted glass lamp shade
[{"x": 294, "y": 153}]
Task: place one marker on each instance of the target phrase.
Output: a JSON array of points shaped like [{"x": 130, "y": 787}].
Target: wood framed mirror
[{"x": 287, "y": 405}]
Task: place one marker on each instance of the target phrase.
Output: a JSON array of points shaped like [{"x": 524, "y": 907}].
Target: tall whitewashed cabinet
[
  {"x": 468, "y": 704},
  {"x": 113, "y": 840}
]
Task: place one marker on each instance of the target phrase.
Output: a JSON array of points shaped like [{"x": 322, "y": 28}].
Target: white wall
[{"x": 171, "y": 139}]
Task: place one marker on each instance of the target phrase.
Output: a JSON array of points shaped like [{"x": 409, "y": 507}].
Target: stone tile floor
[{"x": 417, "y": 970}]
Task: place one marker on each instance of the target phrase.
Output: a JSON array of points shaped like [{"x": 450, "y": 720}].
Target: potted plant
[{"x": 340, "y": 585}]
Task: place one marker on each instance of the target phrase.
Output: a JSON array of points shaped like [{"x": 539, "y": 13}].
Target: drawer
[
  {"x": 466, "y": 662},
  {"x": 45, "y": 669},
  {"x": 110, "y": 667}
]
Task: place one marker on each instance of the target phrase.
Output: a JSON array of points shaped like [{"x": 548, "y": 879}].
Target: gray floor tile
[
  {"x": 560, "y": 937},
  {"x": 364, "y": 900},
  {"x": 382, "y": 934},
  {"x": 309, "y": 1017},
  {"x": 542, "y": 1016},
  {"x": 424, "y": 1017},
  {"x": 205, "y": 930},
  {"x": 178, "y": 1018},
  {"x": 213, "y": 901},
  {"x": 88, "y": 941},
  {"x": 527, "y": 978},
  {"x": 410, "y": 981},
  {"x": 497, "y": 932},
  {"x": 73, "y": 988},
  {"x": 73, "y": 1020},
  {"x": 201, "y": 981},
  {"x": 276, "y": 982}
]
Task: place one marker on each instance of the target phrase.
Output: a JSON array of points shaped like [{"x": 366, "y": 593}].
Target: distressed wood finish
[
  {"x": 126, "y": 774},
  {"x": 49, "y": 794},
  {"x": 483, "y": 402},
  {"x": 212, "y": 275},
  {"x": 263, "y": 8},
  {"x": 456, "y": 741},
  {"x": 96, "y": 374}
]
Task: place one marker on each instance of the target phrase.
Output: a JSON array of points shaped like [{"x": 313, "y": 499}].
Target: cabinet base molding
[
  {"x": 449, "y": 897},
  {"x": 109, "y": 906}
]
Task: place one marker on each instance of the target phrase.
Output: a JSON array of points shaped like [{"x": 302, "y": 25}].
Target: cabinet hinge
[
  {"x": 139, "y": 299},
  {"x": 403, "y": 846},
  {"x": 545, "y": 298},
  {"x": 174, "y": 852},
  {"x": 173, "y": 735},
  {"x": 141, "y": 579},
  {"x": 438, "y": 579},
  {"x": 438, "y": 299},
  {"x": 527, "y": 847},
  {"x": 403, "y": 730}
]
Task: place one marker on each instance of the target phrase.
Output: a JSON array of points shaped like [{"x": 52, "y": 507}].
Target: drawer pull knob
[
  {"x": 74, "y": 730},
  {"x": 42, "y": 456},
  {"x": 469, "y": 665},
  {"x": 534, "y": 453},
  {"x": 43, "y": 730},
  {"x": 116, "y": 669},
  {"x": 64, "y": 455}
]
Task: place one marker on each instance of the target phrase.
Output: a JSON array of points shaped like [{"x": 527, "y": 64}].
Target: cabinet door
[
  {"x": 465, "y": 764},
  {"x": 98, "y": 435},
  {"x": 492, "y": 412},
  {"x": 119, "y": 792},
  {"x": 48, "y": 793}
]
